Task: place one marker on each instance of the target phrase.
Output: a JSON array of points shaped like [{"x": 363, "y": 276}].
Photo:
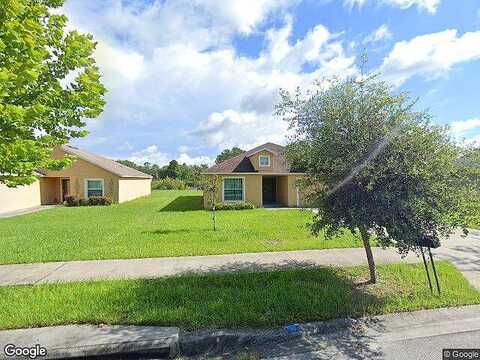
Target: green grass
[
  {"x": 167, "y": 223},
  {"x": 260, "y": 299},
  {"x": 475, "y": 208}
]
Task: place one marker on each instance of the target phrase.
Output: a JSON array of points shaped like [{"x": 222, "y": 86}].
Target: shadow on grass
[
  {"x": 252, "y": 300},
  {"x": 178, "y": 231},
  {"x": 184, "y": 203}
]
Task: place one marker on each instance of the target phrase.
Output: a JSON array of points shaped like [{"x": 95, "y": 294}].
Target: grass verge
[{"x": 261, "y": 299}]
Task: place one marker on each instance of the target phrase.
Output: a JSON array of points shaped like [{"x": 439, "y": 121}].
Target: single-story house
[
  {"x": 261, "y": 176},
  {"x": 89, "y": 175}
]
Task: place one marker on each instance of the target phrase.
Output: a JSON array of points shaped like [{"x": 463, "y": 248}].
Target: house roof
[
  {"x": 104, "y": 163},
  {"x": 242, "y": 164}
]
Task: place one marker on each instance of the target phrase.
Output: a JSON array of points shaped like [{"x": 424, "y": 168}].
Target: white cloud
[
  {"x": 231, "y": 128},
  {"x": 474, "y": 141},
  {"x": 460, "y": 127},
  {"x": 195, "y": 160},
  {"x": 183, "y": 148},
  {"x": 163, "y": 81},
  {"x": 382, "y": 33},
  {"x": 430, "y": 55},
  {"x": 152, "y": 155},
  {"x": 117, "y": 62},
  {"x": 428, "y": 5},
  {"x": 243, "y": 15}
]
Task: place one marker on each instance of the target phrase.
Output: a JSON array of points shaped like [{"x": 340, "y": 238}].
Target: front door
[
  {"x": 65, "y": 188},
  {"x": 269, "y": 190}
]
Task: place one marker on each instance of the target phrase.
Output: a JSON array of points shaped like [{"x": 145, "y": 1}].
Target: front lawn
[
  {"x": 167, "y": 223},
  {"x": 261, "y": 299}
]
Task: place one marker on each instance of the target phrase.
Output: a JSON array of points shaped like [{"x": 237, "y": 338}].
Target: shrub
[
  {"x": 98, "y": 201},
  {"x": 169, "y": 184},
  {"x": 92, "y": 201},
  {"x": 71, "y": 201},
  {"x": 235, "y": 206},
  {"x": 83, "y": 202}
]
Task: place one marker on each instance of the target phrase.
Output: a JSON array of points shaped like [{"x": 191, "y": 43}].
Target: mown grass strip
[{"x": 260, "y": 299}]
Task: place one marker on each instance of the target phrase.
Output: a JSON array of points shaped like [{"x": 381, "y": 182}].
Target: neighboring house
[
  {"x": 261, "y": 176},
  {"x": 89, "y": 175}
]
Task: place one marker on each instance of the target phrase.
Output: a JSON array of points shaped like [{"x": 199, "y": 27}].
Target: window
[
  {"x": 264, "y": 160},
  {"x": 93, "y": 187},
  {"x": 233, "y": 189}
]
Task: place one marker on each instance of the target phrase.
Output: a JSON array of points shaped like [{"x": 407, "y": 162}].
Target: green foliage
[
  {"x": 99, "y": 201},
  {"x": 228, "y": 154},
  {"x": 233, "y": 300},
  {"x": 374, "y": 162},
  {"x": 237, "y": 205},
  {"x": 190, "y": 174},
  {"x": 211, "y": 186},
  {"x": 40, "y": 107},
  {"x": 71, "y": 201},
  {"x": 169, "y": 184},
  {"x": 471, "y": 163}
]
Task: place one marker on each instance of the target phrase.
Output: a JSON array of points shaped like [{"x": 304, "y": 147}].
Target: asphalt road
[{"x": 409, "y": 336}]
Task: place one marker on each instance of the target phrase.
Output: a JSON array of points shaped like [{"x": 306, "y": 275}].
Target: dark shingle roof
[
  {"x": 104, "y": 163},
  {"x": 241, "y": 163}
]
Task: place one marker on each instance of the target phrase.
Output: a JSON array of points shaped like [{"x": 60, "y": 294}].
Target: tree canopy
[
  {"x": 375, "y": 164},
  {"x": 228, "y": 154},
  {"x": 49, "y": 85},
  {"x": 190, "y": 174}
]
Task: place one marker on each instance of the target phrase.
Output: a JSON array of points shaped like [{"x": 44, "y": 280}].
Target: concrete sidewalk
[
  {"x": 41, "y": 273},
  {"x": 78, "y": 341},
  {"x": 27, "y": 211},
  {"x": 463, "y": 252}
]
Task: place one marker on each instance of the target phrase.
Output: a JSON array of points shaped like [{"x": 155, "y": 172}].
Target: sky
[{"x": 187, "y": 79}]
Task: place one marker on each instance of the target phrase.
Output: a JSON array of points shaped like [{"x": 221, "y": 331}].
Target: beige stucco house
[
  {"x": 261, "y": 176},
  {"x": 89, "y": 175}
]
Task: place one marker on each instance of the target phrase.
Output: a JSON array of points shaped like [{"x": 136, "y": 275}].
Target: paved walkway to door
[
  {"x": 26, "y": 211},
  {"x": 464, "y": 252}
]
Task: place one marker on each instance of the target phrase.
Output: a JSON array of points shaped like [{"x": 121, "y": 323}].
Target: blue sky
[{"x": 187, "y": 79}]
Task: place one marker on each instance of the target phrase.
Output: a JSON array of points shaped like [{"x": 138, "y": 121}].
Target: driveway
[
  {"x": 464, "y": 252},
  {"x": 26, "y": 211}
]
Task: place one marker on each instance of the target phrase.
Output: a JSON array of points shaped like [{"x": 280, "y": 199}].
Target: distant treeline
[{"x": 186, "y": 176}]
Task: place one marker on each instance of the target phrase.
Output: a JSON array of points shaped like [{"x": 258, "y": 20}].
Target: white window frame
[
  {"x": 86, "y": 186},
  {"x": 264, "y": 156},
  {"x": 243, "y": 188}
]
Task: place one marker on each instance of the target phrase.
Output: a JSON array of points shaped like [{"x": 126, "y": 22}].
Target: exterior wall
[
  {"x": 256, "y": 165},
  {"x": 21, "y": 197},
  {"x": 129, "y": 189},
  {"x": 286, "y": 190},
  {"x": 282, "y": 190},
  {"x": 292, "y": 191},
  {"x": 50, "y": 190},
  {"x": 81, "y": 170},
  {"x": 253, "y": 190}
]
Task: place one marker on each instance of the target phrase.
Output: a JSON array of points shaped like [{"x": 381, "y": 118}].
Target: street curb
[{"x": 218, "y": 342}]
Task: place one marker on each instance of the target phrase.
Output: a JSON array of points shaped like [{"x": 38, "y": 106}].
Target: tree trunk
[{"x": 368, "y": 251}]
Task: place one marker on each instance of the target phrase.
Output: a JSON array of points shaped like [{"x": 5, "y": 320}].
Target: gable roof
[
  {"x": 242, "y": 164},
  {"x": 106, "y": 164}
]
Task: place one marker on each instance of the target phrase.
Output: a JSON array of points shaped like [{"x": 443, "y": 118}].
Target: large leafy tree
[
  {"x": 374, "y": 164},
  {"x": 49, "y": 85},
  {"x": 228, "y": 154}
]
